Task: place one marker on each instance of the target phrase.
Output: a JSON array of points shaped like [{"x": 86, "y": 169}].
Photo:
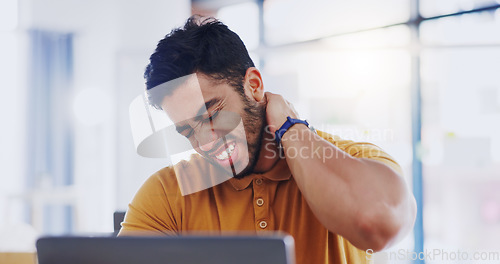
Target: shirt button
[
  {"x": 260, "y": 202},
  {"x": 263, "y": 224},
  {"x": 258, "y": 181}
]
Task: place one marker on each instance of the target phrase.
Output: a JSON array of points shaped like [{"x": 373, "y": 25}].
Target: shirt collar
[{"x": 279, "y": 172}]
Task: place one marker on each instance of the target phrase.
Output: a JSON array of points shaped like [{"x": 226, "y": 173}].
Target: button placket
[{"x": 261, "y": 204}]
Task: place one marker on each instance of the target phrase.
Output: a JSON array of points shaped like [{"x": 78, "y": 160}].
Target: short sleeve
[
  {"x": 362, "y": 150},
  {"x": 152, "y": 210}
]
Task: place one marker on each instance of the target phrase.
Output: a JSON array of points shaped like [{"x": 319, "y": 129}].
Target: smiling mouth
[{"x": 225, "y": 153}]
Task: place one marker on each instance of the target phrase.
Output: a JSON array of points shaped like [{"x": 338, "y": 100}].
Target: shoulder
[
  {"x": 362, "y": 150},
  {"x": 187, "y": 177},
  {"x": 168, "y": 178}
]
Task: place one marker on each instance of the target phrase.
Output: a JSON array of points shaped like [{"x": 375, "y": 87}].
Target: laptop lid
[{"x": 167, "y": 250}]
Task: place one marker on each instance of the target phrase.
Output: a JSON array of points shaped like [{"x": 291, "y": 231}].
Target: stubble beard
[{"x": 254, "y": 124}]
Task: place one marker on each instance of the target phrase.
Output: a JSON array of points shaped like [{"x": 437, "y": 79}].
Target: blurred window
[
  {"x": 470, "y": 29},
  {"x": 430, "y": 8},
  {"x": 288, "y": 21},
  {"x": 461, "y": 131}
]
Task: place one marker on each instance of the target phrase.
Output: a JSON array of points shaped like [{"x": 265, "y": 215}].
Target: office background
[{"x": 420, "y": 78}]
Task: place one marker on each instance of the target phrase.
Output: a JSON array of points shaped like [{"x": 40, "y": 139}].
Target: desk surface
[{"x": 17, "y": 258}]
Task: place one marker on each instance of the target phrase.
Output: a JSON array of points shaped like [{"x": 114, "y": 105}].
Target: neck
[{"x": 269, "y": 154}]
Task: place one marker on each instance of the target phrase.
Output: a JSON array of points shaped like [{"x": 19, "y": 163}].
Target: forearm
[{"x": 363, "y": 200}]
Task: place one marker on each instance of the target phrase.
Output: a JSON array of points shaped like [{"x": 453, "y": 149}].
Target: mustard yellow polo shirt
[{"x": 257, "y": 203}]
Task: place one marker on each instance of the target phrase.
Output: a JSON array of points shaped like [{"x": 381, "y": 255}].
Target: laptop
[{"x": 272, "y": 249}]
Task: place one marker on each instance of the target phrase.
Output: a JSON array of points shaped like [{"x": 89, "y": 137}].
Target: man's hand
[{"x": 277, "y": 110}]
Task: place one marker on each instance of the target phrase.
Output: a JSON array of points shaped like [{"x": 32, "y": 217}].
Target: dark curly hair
[{"x": 203, "y": 45}]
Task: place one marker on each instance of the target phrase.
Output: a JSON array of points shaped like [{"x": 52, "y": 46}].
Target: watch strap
[{"x": 288, "y": 123}]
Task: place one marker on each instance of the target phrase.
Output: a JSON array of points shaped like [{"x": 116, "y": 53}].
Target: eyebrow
[
  {"x": 201, "y": 111},
  {"x": 208, "y": 104}
]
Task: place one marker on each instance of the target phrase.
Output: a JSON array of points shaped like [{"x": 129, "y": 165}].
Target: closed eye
[
  {"x": 214, "y": 115},
  {"x": 188, "y": 132},
  {"x": 210, "y": 118}
]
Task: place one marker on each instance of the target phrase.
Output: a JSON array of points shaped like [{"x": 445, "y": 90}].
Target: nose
[{"x": 206, "y": 139}]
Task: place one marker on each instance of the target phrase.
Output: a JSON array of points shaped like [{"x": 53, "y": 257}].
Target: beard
[
  {"x": 253, "y": 122},
  {"x": 253, "y": 126}
]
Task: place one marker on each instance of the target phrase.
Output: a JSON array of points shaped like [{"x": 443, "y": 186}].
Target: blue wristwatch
[{"x": 288, "y": 123}]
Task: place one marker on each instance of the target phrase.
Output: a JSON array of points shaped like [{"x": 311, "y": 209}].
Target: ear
[{"x": 253, "y": 85}]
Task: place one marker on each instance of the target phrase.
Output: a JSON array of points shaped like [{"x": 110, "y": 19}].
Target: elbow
[
  {"x": 375, "y": 235},
  {"x": 382, "y": 228}
]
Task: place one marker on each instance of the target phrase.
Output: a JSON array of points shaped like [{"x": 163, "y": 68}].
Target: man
[{"x": 337, "y": 198}]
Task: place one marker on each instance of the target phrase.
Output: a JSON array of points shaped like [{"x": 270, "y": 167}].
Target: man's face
[{"x": 221, "y": 124}]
